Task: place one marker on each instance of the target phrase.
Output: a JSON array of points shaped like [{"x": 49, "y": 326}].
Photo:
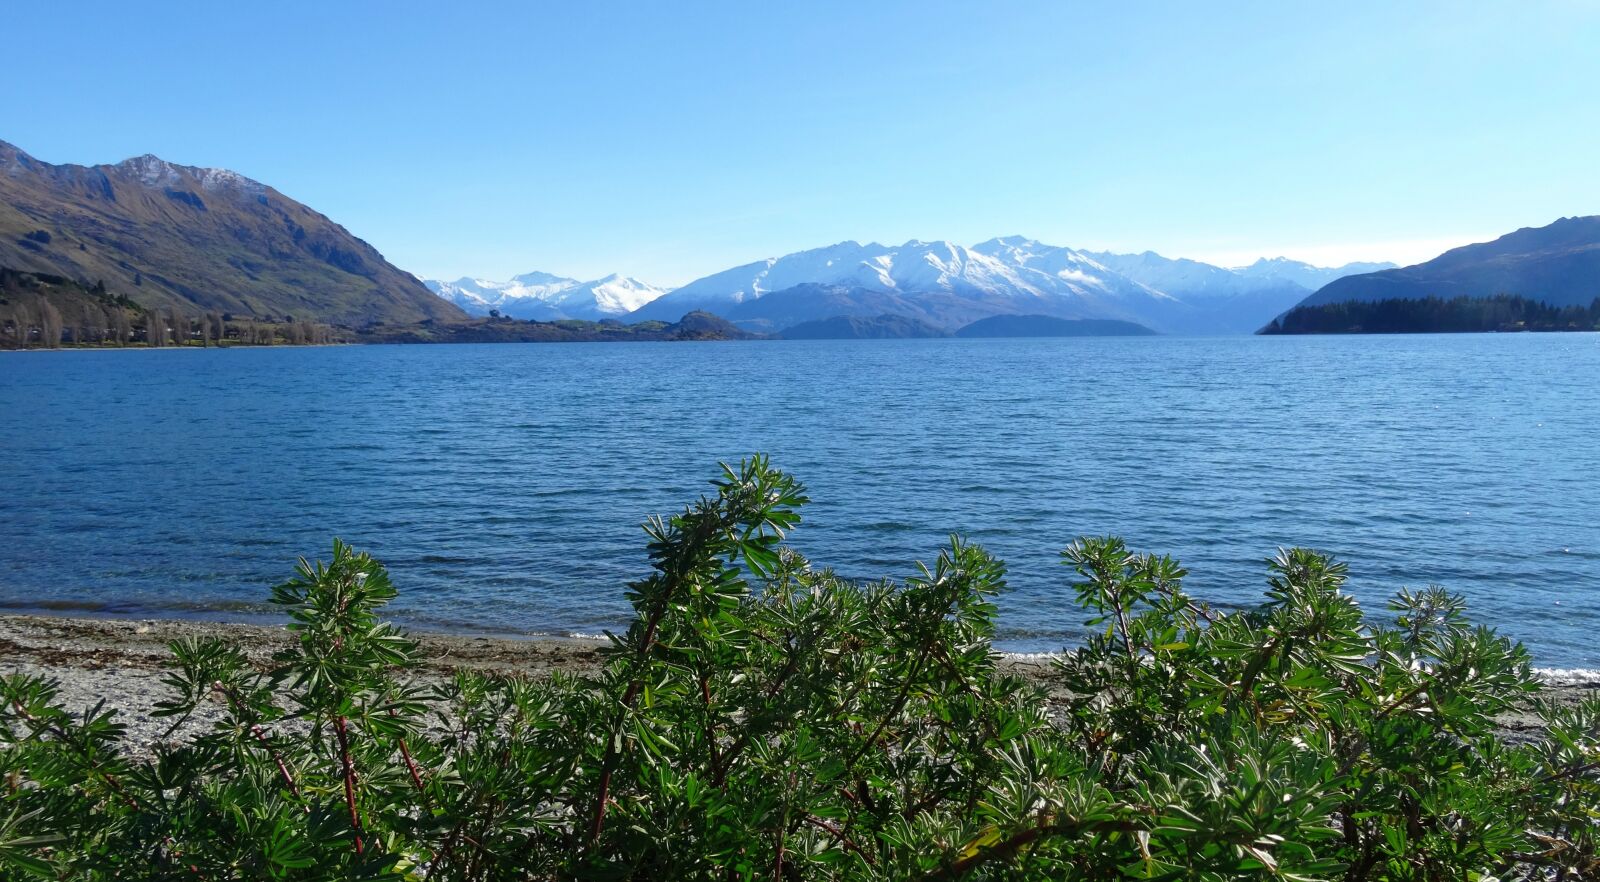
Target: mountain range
[
  {"x": 198, "y": 239},
  {"x": 545, "y": 297},
  {"x": 947, "y": 286},
  {"x": 939, "y": 284}
]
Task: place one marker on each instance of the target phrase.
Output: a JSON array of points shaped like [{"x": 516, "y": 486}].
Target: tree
[
  {"x": 19, "y": 323},
  {"x": 122, "y": 325},
  {"x": 50, "y": 325},
  {"x": 25, "y": 323},
  {"x": 91, "y": 325}
]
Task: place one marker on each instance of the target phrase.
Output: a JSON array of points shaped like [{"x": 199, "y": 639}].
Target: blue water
[{"x": 503, "y": 485}]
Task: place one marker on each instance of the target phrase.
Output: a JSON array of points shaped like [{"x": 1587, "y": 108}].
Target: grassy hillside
[{"x": 198, "y": 240}]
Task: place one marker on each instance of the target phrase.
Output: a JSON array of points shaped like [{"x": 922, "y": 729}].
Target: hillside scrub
[{"x": 763, "y": 718}]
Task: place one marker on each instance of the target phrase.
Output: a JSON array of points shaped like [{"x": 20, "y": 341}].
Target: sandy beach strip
[{"x": 122, "y": 661}]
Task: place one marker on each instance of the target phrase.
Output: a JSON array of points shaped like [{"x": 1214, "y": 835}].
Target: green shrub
[{"x": 765, "y": 719}]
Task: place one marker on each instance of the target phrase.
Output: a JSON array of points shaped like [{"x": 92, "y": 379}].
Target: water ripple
[{"x": 504, "y": 485}]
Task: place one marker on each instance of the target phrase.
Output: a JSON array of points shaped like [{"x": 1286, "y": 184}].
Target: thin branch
[
  {"x": 349, "y": 771},
  {"x": 839, "y": 836}
]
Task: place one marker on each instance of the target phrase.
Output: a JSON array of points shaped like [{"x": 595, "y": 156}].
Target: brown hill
[{"x": 178, "y": 236}]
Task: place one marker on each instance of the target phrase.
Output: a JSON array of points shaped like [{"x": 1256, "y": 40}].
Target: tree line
[
  {"x": 1435, "y": 315},
  {"x": 39, "y": 311},
  {"x": 39, "y": 325}
]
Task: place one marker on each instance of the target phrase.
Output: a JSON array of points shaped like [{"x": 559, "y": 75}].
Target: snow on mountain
[
  {"x": 612, "y": 295},
  {"x": 1304, "y": 274},
  {"x": 1228, "y": 301},
  {"x": 544, "y": 296},
  {"x": 1053, "y": 270},
  {"x": 847, "y": 263},
  {"x": 939, "y": 283},
  {"x": 1180, "y": 277},
  {"x": 1008, "y": 275}
]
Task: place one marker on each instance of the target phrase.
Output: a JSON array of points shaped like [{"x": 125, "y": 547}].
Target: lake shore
[{"x": 122, "y": 661}]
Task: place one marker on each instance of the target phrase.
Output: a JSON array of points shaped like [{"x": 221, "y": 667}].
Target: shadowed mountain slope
[{"x": 1558, "y": 264}]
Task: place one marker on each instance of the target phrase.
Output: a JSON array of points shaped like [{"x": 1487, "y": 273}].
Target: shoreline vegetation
[
  {"x": 1436, "y": 315},
  {"x": 763, "y": 718},
  {"x": 42, "y": 311},
  {"x": 97, "y": 657}
]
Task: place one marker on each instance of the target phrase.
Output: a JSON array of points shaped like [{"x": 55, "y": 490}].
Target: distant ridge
[
  {"x": 1304, "y": 274},
  {"x": 197, "y": 239},
  {"x": 1557, "y": 264},
  {"x": 1050, "y": 326},
  {"x": 846, "y": 327},
  {"x": 696, "y": 326}
]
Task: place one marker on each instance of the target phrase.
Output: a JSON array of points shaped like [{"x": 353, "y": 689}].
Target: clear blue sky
[{"x": 670, "y": 140}]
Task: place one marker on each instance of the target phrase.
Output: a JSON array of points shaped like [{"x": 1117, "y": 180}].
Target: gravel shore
[{"x": 120, "y": 662}]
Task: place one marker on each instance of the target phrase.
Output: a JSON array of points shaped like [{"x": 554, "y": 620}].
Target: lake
[{"x": 503, "y": 484}]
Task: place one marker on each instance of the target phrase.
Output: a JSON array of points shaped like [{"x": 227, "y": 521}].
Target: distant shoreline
[
  {"x": 781, "y": 339},
  {"x": 142, "y": 348}
]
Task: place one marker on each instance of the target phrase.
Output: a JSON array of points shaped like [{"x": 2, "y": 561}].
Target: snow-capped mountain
[
  {"x": 1304, "y": 274},
  {"x": 612, "y": 295},
  {"x": 1229, "y": 301},
  {"x": 1180, "y": 277},
  {"x": 544, "y": 297},
  {"x": 939, "y": 282}
]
